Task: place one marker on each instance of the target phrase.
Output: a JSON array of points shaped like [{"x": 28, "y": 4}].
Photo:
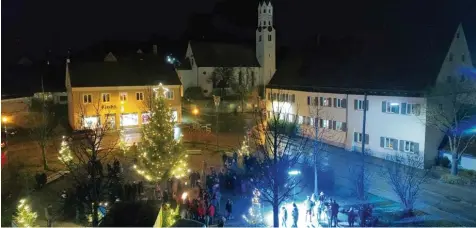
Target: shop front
[
  {"x": 110, "y": 119},
  {"x": 91, "y": 122},
  {"x": 129, "y": 119}
]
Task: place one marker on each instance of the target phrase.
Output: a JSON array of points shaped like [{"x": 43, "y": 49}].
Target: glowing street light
[
  {"x": 294, "y": 172},
  {"x": 4, "y": 119},
  {"x": 195, "y": 111}
]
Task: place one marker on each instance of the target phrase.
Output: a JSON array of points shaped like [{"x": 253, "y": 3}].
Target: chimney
[{"x": 154, "y": 49}]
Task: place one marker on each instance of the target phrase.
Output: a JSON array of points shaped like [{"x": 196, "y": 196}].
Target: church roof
[
  {"x": 139, "y": 70},
  {"x": 213, "y": 54},
  {"x": 396, "y": 60}
]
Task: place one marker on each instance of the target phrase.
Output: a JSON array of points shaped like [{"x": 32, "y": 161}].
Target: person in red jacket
[
  {"x": 201, "y": 212},
  {"x": 210, "y": 214}
]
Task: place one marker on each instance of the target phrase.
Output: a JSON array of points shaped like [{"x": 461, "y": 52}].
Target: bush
[
  {"x": 467, "y": 173},
  {"x": 450, "y": 179},
  {"x": 194, "y": 93}
]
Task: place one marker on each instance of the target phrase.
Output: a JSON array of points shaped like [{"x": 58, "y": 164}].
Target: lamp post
[
  {"x": 294, "y": 173},
  {"x": 195, "y": 125},
  {"x": 216, "y": 100},
  {"x": 4, "y": 121}
]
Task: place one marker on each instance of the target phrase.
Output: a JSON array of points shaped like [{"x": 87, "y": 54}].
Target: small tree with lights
[
  {"x": 65, "y": 152},
  {"x": 122, "y": 144},
  {"x": 255, "y": 216},
  {"x": 245, "y": 150},
  {"x": 24, "y": 216},
  {"x": 160, "y": 154}
]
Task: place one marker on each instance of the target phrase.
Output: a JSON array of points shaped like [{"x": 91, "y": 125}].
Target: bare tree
[
  {"x": 43, "y": 124},
  {"x": 221, "y": 78},
  {"x": 360, "y": 175},
  {"x": 89, "y": 151},
  {"x": 321, "y": 129},
  {"x": 281, "y": 152},
  {"x": 405, "y": 174},
  {"x": 450, "y": 109},
  {"x": 245, "y": 84}
]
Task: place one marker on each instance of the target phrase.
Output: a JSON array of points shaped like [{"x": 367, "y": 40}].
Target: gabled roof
[
  {"x": 136, "y": 70},
  {"x": 405, "y": 59},
  {"x": 212, "y": 54}
]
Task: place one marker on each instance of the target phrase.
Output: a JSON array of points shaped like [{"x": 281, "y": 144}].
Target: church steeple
[{"x": 266, "y": 41}]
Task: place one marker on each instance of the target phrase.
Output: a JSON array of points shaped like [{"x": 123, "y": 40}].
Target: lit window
[
  {"x": 300, "y": 120},
  {"x": 390, "y": 107},
  {"x": 87, "y": 98},
  {"x": 389, "y": 143},
  {"x": 290, "y": 118},
  {"x": 123, "y": 96},
  {"x": 169, "y": 95},
  {"x": 140, "y": 96},
  {"x": 324, "y": 123},
  {"x": 106, "y": 97}
]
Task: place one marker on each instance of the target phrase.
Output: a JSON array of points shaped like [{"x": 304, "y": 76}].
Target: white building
[
  {"x": 202, "y": 58},
  {"x": 330, "y": 92}
]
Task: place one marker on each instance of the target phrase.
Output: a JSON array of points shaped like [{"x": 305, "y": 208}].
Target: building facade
[
  {"x": 253, "y": 66},
  {"x": 395, "y": 119},
  {"x": 123, "y": 94}
]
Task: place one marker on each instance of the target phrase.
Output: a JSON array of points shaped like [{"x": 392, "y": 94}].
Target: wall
[
  {"x": 408, "y": 127},
  {"x": 16, "y": 111},
  {"x": 467, "y": 161},
  {"x": 115, "y": 107}
]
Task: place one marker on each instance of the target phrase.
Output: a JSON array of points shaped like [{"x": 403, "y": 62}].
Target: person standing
[
  {"x": 228, "y": 209},
  {"x": 308, "y": 204},
  {"x": 284, "y": 217},
  {"x": 49, "y": 215},
  {"x": 295, "y": 215},
  {"x": 335, "y": 212},
  {"x": 351, "y": 217}
]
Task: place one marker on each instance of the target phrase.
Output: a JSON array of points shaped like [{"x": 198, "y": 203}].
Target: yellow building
[{"x": 119, "y": 92}]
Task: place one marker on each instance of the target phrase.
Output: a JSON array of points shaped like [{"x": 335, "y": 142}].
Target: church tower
[{"x": 266, "y": 41}]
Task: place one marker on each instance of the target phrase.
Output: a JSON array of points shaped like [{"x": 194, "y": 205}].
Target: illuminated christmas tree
[
  {"x": 24, "y": 216},
  {"x": 65, "y": 152},
  {"x": 244, "y": 150},
  {"x": 122, "y": 144},
  {"x": 160, "y": 155},
  {"x": 255, "y": 216}
]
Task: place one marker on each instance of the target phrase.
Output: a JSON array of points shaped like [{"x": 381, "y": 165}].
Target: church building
[{"x": 206, "y": 62}]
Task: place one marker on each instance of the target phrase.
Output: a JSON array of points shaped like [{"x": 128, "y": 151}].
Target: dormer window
[
  {"x": 457, "y": 35},
  {"x": 463, "y": 58},
  {"x": 450, "y": 58}
]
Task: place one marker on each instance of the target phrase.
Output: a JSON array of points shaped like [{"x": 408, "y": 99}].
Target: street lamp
[
  {"x": 216, "y": 100},
  {"x": 294, "y": 173}
]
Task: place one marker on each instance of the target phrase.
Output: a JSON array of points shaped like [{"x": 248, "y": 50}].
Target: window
[
  {"x": 390, "y": 107},
  {"x": 106, "y": 97},
  {"x": 293, "y": 98},
  {"x": 457, "y": 35},
  {"x": 300, "y": 119},
  {"x": 326, "y": 102},
  {"x": 389, "y": 143},
  {"x": 324, "y": 123},
  {"x": 359, "y": 105},
  {"x": 87, "y": 98},
  {"x": 407, "y": 146},
  {"x": 259, "y": 38},
  {"x": 253, "y": 78},
  {"x": 169, "y": 95},
  {"x": 463, "y": 58},
  {"x": 411, "y": 109},
  {"x": 340, "y": 103},
  {"x": 290, "y": 118},
  {"x": 140, "y": 96},
  {"x": 123, "y": 96},
  {"x": 269, "y": 37},
  {"x": 358, "y": 138},
  {"x": 450, "y": 58}
]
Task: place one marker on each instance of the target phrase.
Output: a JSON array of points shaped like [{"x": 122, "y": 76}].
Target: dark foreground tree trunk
[
  {"x": 43, "y": 154},
  {"x": 454, "y": 164},
  {"x": 275, "y": 213}
]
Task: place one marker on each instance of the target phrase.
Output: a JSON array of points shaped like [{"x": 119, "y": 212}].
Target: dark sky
[{"x": 33, "y": 26}]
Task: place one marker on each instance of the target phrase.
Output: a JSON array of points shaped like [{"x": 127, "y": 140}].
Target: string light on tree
[
  {"x": 24, "y": 216},
  {"x": 65, "y": 152},
  {"x": 160, "y": 154},
  {"x": 122, "y": 144},
  {"x": 244, "y": 150},
  {"x": 255, "y": 216}
]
